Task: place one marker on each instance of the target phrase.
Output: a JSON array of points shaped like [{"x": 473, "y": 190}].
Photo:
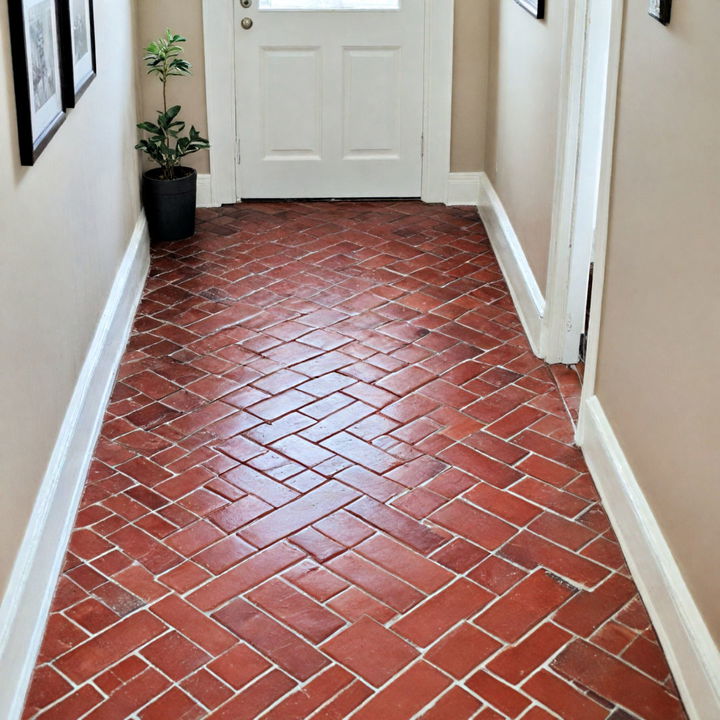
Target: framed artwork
[
  {"x": 660, "y": 10},
  {"x": 77, "y": 30},
  {"x": 35, "y": 40},
  {"x": 535, "y": 7}
]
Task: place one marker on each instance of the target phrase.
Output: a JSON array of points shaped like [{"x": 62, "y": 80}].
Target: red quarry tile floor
[
  {"x": 333, "y": 482},
  {"x": 569, "y": 379}
]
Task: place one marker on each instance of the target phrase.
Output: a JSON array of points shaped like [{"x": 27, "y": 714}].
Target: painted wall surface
[
  {"x": 469, "y": 85},
  {"x": 184, "y": 18},
  {"x": 524, "y": 99},
  {"x": 64, "y": 226},
  {"x": 660, "y": 335}
]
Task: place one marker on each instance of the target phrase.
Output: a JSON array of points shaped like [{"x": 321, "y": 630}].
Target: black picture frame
[
  {"x": 660, "y": 10},
  {"x": 77, "y": 32},
  {"x": 535, "y": 7},
  {"x": 37, "y": 73}
]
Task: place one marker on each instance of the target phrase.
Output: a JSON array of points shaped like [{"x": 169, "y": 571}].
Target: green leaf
[{"x": 149, "y": 127}]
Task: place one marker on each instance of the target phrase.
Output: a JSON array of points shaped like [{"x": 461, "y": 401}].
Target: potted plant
[{"x": 170, "y": 190}]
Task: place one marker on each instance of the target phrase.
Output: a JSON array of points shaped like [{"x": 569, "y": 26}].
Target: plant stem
[{"x": 168, "y": 171}]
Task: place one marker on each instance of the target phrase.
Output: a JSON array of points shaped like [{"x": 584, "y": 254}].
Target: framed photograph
[
  {"x": 660, "y": 10},
  {"x": 535, "y": 7},
  {"x": 77, "y": 30},
  {"x": 35, "y": 40}
]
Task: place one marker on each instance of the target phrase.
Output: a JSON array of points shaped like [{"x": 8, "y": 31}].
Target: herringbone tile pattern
[{"x": 333, "y": 482}]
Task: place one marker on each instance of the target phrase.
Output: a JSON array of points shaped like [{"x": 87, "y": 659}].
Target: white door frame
[
  {"x": 570, "y": 255},
  {"x": 219, "y": 36},
  {"x": 603, "y": 212}
]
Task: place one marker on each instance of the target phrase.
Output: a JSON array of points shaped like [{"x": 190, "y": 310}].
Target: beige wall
[
  {"x": 660, "y": 337},
  {"x": 524, "y": 96},
  {"x": 64, "y": 226},
  {"x": 469, "y": 86},
  {"x": 185, "y": 18}
]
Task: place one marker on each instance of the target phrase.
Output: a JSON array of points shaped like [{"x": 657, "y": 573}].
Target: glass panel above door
[{"x": 329, "y": 4}]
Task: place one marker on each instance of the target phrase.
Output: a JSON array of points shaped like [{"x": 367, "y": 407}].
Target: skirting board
[
  {"x": 693, "y": 657},
  {"x": 204, "y": 191},
  {"x": 30, "y": 590},
  {"x": 463, "y": 188},
  {"x": 526, "y": 293}
]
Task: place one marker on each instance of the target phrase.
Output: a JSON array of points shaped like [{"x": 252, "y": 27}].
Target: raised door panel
[
  {"x": 371, "y": 84},
  {"x": 291, "y": 82}
]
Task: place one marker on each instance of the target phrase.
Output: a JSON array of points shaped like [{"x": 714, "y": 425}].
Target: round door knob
[
  {"x": 246, "y": 3},
  {"x": 246, "y": 23}
]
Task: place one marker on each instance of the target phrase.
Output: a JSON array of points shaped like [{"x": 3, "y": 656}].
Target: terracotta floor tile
[
  {"x": 334, "y": 482},
  {"x": 436, "y": 616},
  {"x": 302, "y": 614},
  {"x": 456, "y": 703},
  {"x": 522, "y": 607},
  {"x": 500, "y": 695},
  {"x": 615, "y": 680},
  {"x": 239, "y": 666},
  {"x": 462, "y": 650},
  {"x": 290, "y": 652},
  {"x": 382, "y": 585},
  {"x": 175, "y": 656},
  {"x": 371, "y": 651},
  {"x": 562, "y": 698},
  {"x": 517, "y": 662},
  {"x": 406, "y": 695},
  {"x": 403, "y": 562},
  {"x": 302, "y": 703},
  {"x": 307, "y": 509}
]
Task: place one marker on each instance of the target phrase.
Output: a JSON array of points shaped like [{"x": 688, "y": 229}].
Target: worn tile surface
[{"x": 333, "y": 482}]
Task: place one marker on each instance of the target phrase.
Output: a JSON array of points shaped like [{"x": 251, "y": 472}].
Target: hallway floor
[{"x": 334, "y": 482}]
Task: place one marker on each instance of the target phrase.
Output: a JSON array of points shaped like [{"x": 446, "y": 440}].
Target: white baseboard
[
  {"x": 204, "y": 191},
  {"x": 463, "y": 188},
  {"x": 526, "y": 293},
  {"x": 29, "y": 594},
  {"x": 693, "y": 656}
]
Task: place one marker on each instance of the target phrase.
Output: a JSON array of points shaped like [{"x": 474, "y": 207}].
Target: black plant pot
[{"x": 170, "y": 204}]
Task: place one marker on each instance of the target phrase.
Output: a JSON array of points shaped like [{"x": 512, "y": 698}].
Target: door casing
[
  {"x": 219, "y": 36},
  {"x": 570, "y": 253}
]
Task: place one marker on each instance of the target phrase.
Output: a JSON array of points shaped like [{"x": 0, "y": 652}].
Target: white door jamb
[
  {"x": 437, "y": 122},
  {"x": 603, "y": 210},
  {"x": 562, "y": 266},
  {"x": 219, "y": 37}
]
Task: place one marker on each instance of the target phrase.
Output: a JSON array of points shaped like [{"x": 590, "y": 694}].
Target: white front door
[{"x": 329, "y": 98}]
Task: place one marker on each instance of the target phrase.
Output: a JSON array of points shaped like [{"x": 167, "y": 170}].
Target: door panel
[
  {"x": 291, "y": 118},
  {"x": 371, "y": 102},
  {"x": 330, "y": 102}
]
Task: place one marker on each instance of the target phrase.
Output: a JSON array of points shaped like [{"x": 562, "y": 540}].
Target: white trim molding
[
  {"x": 693, "y": 656},
  {"x": 30, "y": 590},
  {"x": 571, "y": 252},
  {"x": 219, "y": 39},
  {"x": 568, "y": 132},
  {"x": 603, "y": 209},
  {"x": 437, "y": 113},
  {"x": 463, "y": 188},
  {"x": 205, "y": 191},
  {"x": 525, "y": 291}
]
